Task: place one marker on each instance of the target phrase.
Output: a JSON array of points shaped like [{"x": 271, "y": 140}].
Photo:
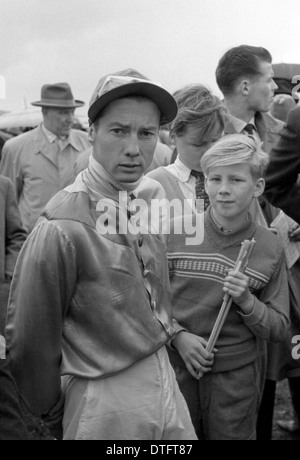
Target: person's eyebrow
[
  {"x": 118, "y": 124},
  {"x": 150, "y": 128},
  {"x": 236, "y": 175}
]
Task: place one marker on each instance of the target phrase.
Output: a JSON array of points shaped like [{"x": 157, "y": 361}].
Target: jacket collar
[
  {"x": 264, "y": 123},
  {"x": 182, "y": 172},
  {"x": 42, "y": 144}
]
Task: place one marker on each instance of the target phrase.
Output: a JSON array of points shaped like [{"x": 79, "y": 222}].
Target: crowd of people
[{"x": 107, "y": 309}]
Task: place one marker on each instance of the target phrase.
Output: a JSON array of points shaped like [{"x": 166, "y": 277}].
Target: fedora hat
[
  {"x": 57, "y": 95},
  {"x": 130, "y": 82}
]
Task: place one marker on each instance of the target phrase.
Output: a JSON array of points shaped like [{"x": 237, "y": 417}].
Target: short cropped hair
[
  {"x": 234, "y": 149},
  {"x": 197, "y": 106},
  {"x": 236, "y": 63}
]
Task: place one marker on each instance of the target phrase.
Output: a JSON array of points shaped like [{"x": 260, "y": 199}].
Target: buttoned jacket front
[{"x": 83, "y": 303}]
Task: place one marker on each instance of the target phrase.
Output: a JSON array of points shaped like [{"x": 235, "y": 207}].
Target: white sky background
[{"x": 174, "y": 42}]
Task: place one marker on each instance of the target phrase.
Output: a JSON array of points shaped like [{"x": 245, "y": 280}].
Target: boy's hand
[
  {"x": 192, "y": 350},
  {"x": 237, "y": 286}
]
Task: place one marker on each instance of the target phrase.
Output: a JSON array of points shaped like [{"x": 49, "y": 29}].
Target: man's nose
[
  {"x": 132, "y": 147},
  {"x": 224, "y": 188},
  {"x": 70, "y": 117},
  {"x": 275, "y": 86}
]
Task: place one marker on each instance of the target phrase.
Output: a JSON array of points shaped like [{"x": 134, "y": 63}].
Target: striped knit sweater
[{"x": 197, "y": 275}]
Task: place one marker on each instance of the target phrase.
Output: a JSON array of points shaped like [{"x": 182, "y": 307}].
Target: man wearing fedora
[
  {"x": 90, "y": 299},
  {"x": 41, "y": 161}
]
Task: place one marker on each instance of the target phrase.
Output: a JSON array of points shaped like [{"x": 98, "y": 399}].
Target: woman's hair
[
  {"x": 197, "y": 107},
  {"x": 233, "y": 149}
]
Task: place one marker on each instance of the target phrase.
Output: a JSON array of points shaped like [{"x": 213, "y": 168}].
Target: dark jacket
[
  {"x": 268, "y": 129},
  {"x": 282, "y": 187},
  {"x": 12, "y": 236},
  {"x": 12, "y": 425}
]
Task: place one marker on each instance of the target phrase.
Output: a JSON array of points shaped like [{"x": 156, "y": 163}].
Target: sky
[{"x": 173, "y": 42}]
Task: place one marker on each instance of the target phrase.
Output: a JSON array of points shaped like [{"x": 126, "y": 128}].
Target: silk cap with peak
[{"x": 130, "y": 82}]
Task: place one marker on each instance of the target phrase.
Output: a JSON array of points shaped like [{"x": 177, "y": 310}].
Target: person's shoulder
[
  {"x": 157, "y": 173},
  {"x": 148, "y": 181},
  {"x": 65, "y": 204},
  {"x": 83, "y": 160},
  {"x": 150, "y": 188},
  {"x": 294, "y": 118},
  {"x": 79, "y": 134},
  {"x": 162, "y": 154},
  {"x": 79, "y": 139},
  {"x": 268, "y": 241},
  {"x": 163, "y": 148},
  {"x": 273, "y": 124},
  {"x": 295, "y": 111},
  {"x": 21, "y": 139}
]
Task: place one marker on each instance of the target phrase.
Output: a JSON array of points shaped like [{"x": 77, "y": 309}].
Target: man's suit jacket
[
  {"x": 268, "y": 129},
  {"x": 12, "y": 236},
  {"x": 282, "y": 186}
]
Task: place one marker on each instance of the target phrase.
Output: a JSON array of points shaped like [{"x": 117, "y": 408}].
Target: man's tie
[
  {"x": 249, "y": 129},
  {"x": 200, "y": 189},
  {"x": 130, "y": 209}
]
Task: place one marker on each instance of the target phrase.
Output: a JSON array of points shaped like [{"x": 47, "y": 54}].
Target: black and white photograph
[{"x": 149, "y": 222}]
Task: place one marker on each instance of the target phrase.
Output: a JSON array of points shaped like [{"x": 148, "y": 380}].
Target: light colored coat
[{"x": 38, "y": 171}]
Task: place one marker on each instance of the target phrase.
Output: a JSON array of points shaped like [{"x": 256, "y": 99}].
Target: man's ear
[
  {"x": 259, "y": 187},
  {"x": 244, "y": 86},
  {"x": 172, "y": 138},
  {"x": 91, "y": 134},
  {"x": 205, "y": 183}
]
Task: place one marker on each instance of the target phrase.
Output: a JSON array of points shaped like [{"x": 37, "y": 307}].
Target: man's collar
[
  {"x": 70, "y": 139},
  {"x": 183, "y": 171},
  {"x": 49, "y": 134},
  {"x": 239, "y": 124}
]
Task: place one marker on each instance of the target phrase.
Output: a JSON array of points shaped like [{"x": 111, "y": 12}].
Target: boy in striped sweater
[{"x": 224, "y": 402}]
